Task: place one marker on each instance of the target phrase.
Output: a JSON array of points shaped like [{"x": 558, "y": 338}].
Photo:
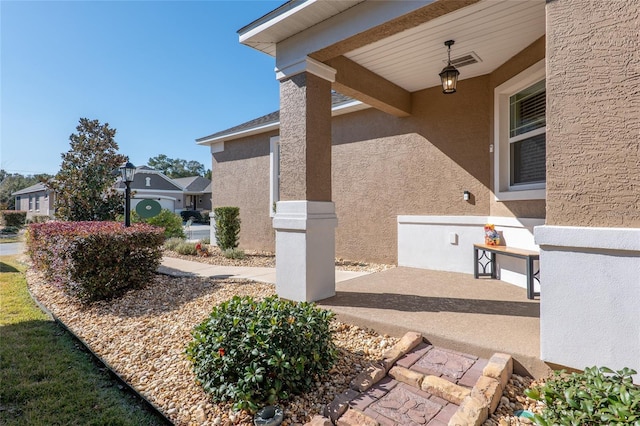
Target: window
[
  {"x": 520, "y": 136},
  {"x": 527, "y": 135},
  {"x": 30, "y": 202},
  {"x": 274, "y": 173},
  {"x": 37, "y": 203}
]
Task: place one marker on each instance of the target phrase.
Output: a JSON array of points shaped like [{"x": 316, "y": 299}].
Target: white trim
[
  {"x": 618, "y": 239},
  {"x": 502, "y": 189},
  {"x": 274, "y": 173},
  {"x": 306, "y": 64}
]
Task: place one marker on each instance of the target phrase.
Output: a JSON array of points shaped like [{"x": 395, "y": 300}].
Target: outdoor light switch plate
[{"x": 453, "y": 238}]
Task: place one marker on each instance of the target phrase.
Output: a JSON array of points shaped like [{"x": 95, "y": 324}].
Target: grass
[{"x": 46, "y": 377}]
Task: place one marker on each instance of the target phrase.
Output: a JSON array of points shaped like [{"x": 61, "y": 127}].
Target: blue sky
[{"x": 162, "y": 73}]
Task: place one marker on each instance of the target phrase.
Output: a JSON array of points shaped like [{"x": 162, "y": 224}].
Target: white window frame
[
  {"x": 274, "y": 172},
  {"x": 37, "y": 205},
  {"x": 503, "y": 189},
  {"x": 30, "y": 203}
]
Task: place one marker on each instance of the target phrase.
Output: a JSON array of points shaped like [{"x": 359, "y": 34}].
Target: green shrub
[
  {"x": 205, "y": 240},
  {"x": 233, "y": 253},
  {"x": 186, "y": 248},
  {"x": 169, "y": 221},
  {"x": 172, "y": 243},
  {"x": 13, "y": 218},
  {"x": 257, "y": 352},
  {"x": 193, "y": 215},
  {"x": 599, "y": 396},
  {"x": 95, "y": 260},
  {"x": 227, "y": 221},
  {"x": 38, "y": 218}
]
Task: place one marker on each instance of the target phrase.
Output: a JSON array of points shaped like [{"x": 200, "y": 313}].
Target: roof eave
[{"x": 343, "y": 108}]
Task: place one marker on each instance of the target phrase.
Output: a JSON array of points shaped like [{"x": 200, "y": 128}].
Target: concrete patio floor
[{"x": 451, "y": 310}]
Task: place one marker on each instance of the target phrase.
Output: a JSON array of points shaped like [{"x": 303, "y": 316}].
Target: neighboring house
[
  {"x": 172, "y": 194},
  {"x": 543, "y": 132},
  {"x": 36, "y": 200},
  {"x": 197, "y": 192}
]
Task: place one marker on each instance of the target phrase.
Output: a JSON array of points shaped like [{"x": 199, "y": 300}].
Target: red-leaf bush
[{"x": 95, "y": 260}]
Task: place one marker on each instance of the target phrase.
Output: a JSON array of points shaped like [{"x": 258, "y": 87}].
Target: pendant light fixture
[{"x": 449, "y": 74}]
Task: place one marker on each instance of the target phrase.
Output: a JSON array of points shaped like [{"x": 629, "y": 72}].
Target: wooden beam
[{"x": 356, "y": 81}]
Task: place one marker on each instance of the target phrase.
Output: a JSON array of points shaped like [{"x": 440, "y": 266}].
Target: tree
[
  {"x": 84, "y": 185},
  {"x": 177, "y": 168},
  {"x": 12, "y": 182}
]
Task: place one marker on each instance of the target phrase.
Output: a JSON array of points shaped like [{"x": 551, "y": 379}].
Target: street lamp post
[{"x": 127, "y": 170}]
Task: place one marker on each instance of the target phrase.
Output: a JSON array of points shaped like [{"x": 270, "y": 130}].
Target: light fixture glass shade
[
  {"x": 449, "y": 77},
  {"x": 128, "y": 171}
]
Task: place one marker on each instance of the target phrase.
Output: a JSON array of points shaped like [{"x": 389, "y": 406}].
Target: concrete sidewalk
[{"x": 180, "y": 267}]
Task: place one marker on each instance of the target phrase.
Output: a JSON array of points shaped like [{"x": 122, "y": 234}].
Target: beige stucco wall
[
  {"x": 384, "y": 166},
  {"x": 240, "y": 178},
  {"x": 593, "y": 115},
  {"x": 520, "y": 62}
]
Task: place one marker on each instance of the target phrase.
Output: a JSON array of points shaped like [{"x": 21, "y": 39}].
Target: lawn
[{"x": 46, "y": 376}]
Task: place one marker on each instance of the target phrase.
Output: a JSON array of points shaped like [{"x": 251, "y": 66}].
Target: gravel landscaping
[
  {"x": 143, "y": 335},
  {"x": 267, "y": 259}
]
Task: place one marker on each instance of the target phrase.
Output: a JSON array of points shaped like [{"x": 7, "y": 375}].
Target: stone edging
[{"x": 475, "y": 405}]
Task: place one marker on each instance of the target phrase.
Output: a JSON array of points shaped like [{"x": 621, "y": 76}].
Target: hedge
[
  {"x": 95, "y": 260},
  {"x": 13, "y": 217}
]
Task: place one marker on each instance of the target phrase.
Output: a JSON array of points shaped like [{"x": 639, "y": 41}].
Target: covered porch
[{"x": 451, "y": 310}]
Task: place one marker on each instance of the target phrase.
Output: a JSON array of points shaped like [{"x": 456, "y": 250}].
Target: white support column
[{"x": 305, "y": 247}]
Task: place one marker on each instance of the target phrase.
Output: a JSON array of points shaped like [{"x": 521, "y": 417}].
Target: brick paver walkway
[{"x": 392, "y": 403}]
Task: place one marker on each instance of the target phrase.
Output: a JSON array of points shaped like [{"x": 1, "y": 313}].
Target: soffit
[
  {"x": 495, "y": 30},
  {"x": 289, "y": 19}
]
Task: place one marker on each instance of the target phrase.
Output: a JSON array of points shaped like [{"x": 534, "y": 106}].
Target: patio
[{"x": 452, "y": 310}]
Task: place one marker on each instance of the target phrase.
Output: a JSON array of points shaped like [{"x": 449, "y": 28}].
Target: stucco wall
[
  {"x": 385, "y": 166},
  {"x": 240, "y": 177},
  {"x": 593, "y": 141}
]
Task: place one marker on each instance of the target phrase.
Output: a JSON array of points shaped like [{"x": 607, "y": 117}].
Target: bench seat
[{"x": 487, "y": 261}]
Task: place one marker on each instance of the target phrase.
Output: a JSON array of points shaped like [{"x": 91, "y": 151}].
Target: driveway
[
  {"x": 197, "y": 231},
  {"x": 11, "y": 248}
]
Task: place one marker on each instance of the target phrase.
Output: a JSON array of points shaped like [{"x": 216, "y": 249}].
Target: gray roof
[
  {"x": 38, "y": 187},
  {"x": 272, "y": 118},
  {"x": 194, "y": 183}
]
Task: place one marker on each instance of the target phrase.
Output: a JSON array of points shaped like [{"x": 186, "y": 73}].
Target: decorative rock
[
  {"x": 409, "y": 341},
  {"x": 369, "y": 377},
  {"x": 445, "y": 389},
  {"x": 354, "y": 417},
  {"x": 335, "y": 409},
  {"x": 200, "y": 415},
  {"x": 390, "y": 357},
  {"x": 319, "y": 421},
  {"x": 407, "y": 376},
  {"x": 472, "y": 412},
  {"x": 500, "y": 367},
  {"x": 489, "y": 389}
]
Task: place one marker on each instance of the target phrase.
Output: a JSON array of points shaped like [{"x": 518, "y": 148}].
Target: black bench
[{"x": 487, "y": 260}]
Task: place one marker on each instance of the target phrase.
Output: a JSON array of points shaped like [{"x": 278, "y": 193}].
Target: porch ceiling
[{"x": 495, "y": 30}]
